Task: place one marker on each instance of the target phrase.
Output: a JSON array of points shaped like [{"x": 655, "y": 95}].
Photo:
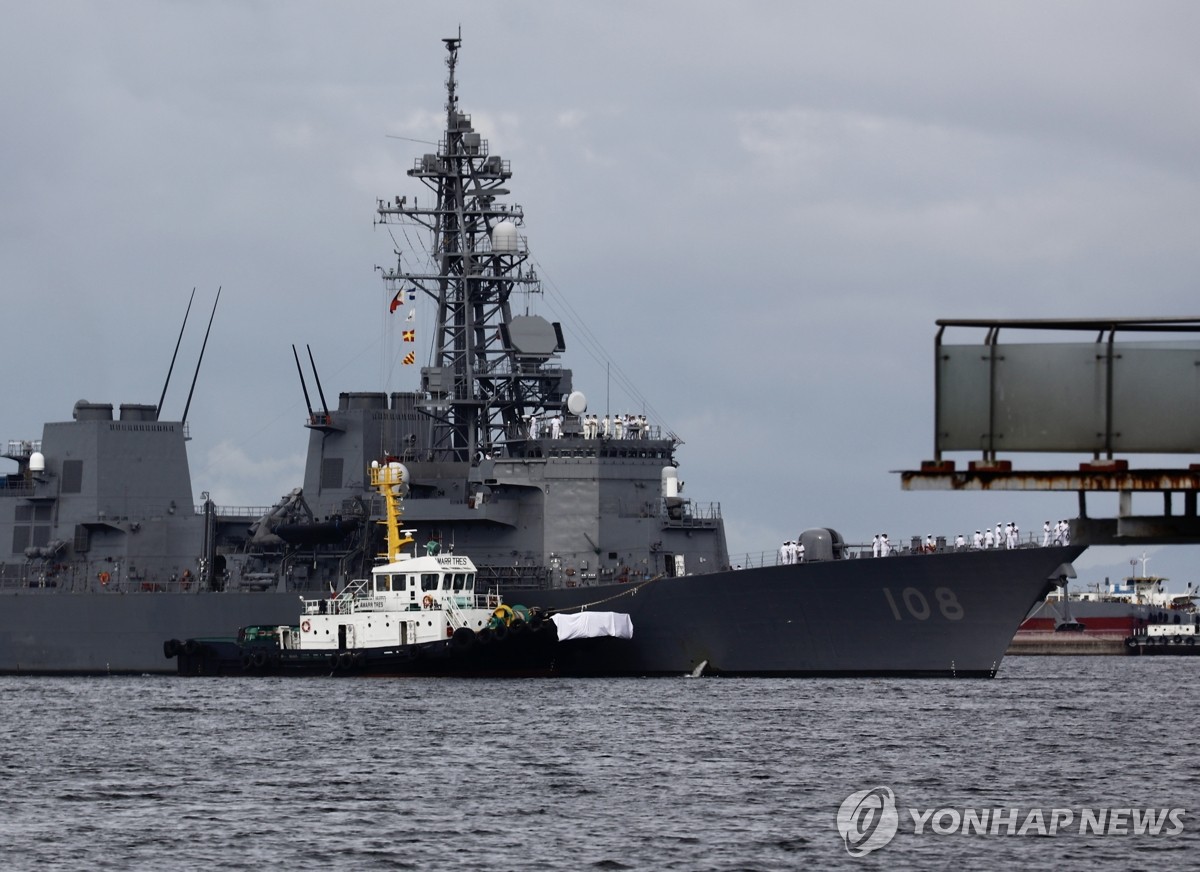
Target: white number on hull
[{"x": 916, "y": 604}]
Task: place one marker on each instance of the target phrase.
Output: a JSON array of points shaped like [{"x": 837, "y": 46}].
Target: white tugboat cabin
[{"x": 410, "y": 598}]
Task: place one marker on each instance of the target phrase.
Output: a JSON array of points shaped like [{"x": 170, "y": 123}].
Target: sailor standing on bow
[
  {"x": 875, "y": 546},
  {"x": 1046, "y": 535}
]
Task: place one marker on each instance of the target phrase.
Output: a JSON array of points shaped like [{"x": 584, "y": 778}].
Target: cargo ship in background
[
  {"x": 1102, "y": 619},
  {"x": 104, "y": 553}
]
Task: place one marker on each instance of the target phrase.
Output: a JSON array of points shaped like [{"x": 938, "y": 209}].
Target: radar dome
[
  {"x": 395, "y": 467},
  {"x": 37, "y": 462},
  {"x": 576, "y": 403},
  {"x": 504, "y": 237}
]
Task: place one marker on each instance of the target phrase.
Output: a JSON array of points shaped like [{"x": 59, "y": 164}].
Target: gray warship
[{"x": 104, "y": 553}]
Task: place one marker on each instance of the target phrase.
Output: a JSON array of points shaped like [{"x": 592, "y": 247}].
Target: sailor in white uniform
[
  {"x": 959, "y": 542},
  {"x": 533, "y": 426},
  {"x": 885, "y": 547},
  {"x": 988, "y": 539},
  {"x": 875, "y": 546},
  {"x": 556, "y": 427},
  {"x": 977, "y": 542},
  {"x": 1046, "y": 535}
]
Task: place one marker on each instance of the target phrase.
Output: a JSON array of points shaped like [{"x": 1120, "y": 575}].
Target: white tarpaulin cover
[{"x": 592, "y": 625}]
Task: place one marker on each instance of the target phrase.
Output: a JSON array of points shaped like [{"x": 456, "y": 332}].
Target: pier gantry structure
[{"x": 1110, "y": 388}]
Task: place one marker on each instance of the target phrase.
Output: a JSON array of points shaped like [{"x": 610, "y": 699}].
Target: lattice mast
[{"x": 478, "y": 387}]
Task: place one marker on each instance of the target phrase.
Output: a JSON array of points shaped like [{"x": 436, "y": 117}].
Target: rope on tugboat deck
[{"x": 583, "y": 606}]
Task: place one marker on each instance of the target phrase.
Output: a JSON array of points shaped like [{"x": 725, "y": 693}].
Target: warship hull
[{"x": 947, "y": 614}]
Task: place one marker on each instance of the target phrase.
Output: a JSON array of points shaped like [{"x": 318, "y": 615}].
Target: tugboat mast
[{"x": 488, "y": 370}]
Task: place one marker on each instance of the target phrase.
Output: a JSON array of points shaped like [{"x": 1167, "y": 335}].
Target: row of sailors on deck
[
  {"x": 791, "y": 552},
  {"x": 1059, "y": 534},
  {"x": 553, "y": 425},
  {"x": 1009, "y": 538},
  {"x": 619, "y": 427}
]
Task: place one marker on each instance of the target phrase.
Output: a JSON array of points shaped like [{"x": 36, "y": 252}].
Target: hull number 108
[{"x": 915, "y": 605}]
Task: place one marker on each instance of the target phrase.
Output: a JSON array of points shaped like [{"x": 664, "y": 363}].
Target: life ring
[
  {"x": 305, "y": 625},
  {"x": 104, "y": 577},
  {"x": 427, "y": 602}
]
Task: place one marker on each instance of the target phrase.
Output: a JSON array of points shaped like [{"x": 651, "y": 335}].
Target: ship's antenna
[
  {"x": 317, "y": 379},
  {"x": 200, "y": 359},
  {"x": 303, "y": 386},
  {"x": 452, "y": 44},
  {"x": 171, "y": 368}
]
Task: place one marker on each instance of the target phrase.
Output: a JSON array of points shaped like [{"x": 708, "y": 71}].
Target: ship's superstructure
[{"x": 507, "y": 464}]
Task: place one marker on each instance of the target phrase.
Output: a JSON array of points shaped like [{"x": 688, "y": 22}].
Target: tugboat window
[
  {"x": 460, "y": 579},
  {"x": 429, "y": 581}
]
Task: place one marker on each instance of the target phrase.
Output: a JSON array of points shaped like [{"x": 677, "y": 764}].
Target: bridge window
[
  {"x": 429, "y": 580},
  {"x": 460, "y": 579}
]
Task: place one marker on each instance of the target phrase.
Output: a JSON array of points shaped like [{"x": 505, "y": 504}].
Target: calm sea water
[{"x": 693, "y": 774}]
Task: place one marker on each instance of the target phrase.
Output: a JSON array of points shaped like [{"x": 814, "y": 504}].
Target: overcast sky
[{"x": 757, "y": 210}]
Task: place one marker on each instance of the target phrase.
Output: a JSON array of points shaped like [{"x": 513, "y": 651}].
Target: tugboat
[{"x": 416, "y": 615}]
